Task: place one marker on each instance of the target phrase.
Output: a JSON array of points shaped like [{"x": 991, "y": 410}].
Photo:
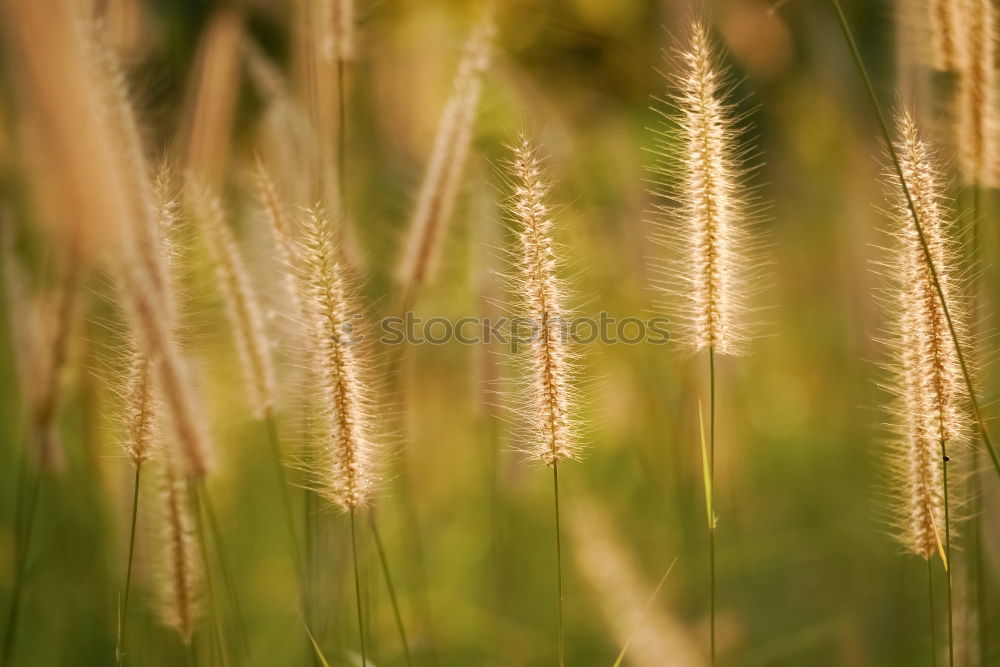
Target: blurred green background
[{"x": 807, "y": 574}]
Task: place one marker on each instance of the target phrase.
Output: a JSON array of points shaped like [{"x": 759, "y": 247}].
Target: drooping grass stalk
[
  {"x": 123, "y": 612},
  {"x": 559, "y": 577},
  {"x": 930, "y": 417},
  {"x": 383, "y": 559},
  {"x": 918, "y": 224},
  {"x": 357, "y": 589}
]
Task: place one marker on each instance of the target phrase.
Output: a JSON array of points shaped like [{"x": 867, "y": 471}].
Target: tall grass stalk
[
  {"x": 711, "y": 500},
  {"x": 357, "y": 589},
  {"x": 948, "y": 566},
  {"x": 549, "y": 367},
  {"x": 559, "y": 577},
  {"x": 213, "y": 604},
  {"x": 930, "y": 599},
  {"x": 39, "y": 436},
  {"x": 894, "y": 157},
  {"x": 228, "y": 580},
  {"x": 271, "y": 426},
  {"x": 975, "y": 571},
  {"x": 24, "y": 520},
  {"x": 383, "y": 559},
  {"x": 123, "y": 612}
]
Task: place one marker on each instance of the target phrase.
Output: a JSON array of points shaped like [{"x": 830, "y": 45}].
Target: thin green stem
[
  {"x": 227, "y": 575},
  {"x": 390, "y": 587},
  {"x": 976, "y": 571},
  {"x": 123, "y": 614},
  {"x": 270, "y": 423},
  {"x": 33, "y": 482},
  {"x": 213, "y": 605},
  {"x": 192, "y": 653},
  {"x": 982, "y": 635},
  {"x": 930, "y": 598},
  {"x": 887, "y": 137},
  {"x": 357, "y": 590},
  {"x": 947, "y": 551},
  {"x": 711, "y": 499},
  {"x": 559, "y": 585}
]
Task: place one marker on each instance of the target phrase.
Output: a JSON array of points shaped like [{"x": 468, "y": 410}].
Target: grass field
[{"x": 360, "y": 333}]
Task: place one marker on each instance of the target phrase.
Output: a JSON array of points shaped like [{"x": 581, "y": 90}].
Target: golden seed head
[
  {"x": 242, "y": 307},
  {"x": 179, "y": 574},
  {"x": 976, "y": 114},
  {"x": 345, "y": 468},
  {"x": 549, "y": 369},
  {"x": 930, "y": 406},
  {"x": 443, "y": 176},
  {"x": 702, "y": 211}
]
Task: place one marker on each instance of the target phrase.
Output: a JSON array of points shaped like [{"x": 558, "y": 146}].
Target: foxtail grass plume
[
  {"x": 976, "y": 112},
  {"x": 74, "y": 88},
  {"x": 281, "y": 233},
  {"x": 144, "y": 265},
  {"x": 139, "y": 409},
  {"x": 702, "y": 210},
  {"x": 442, "y": 178},
  {"x": 179, "y": 575},
  {"x": 549, "y": 405},
  {"x": 947, "y": 28},
  {"x": 930, "y": 410},
  {"x": 345, "y": 468},
  {"x": 241, "y": 301}
]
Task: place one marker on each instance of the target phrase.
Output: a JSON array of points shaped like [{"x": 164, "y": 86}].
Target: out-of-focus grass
[{"x": 806, "y": 574}]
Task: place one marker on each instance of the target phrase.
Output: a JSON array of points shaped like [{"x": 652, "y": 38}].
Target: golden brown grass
[
  {"x": 976, "y": 113},
  {"x": 345, "y": 466},
  {"x": 931, "y": 401},
  {"x": 178, "y": 567},
  {"x": 442, "y": 178},
  {"x": 240, "y": 299},
  {"x": 702, "y": 210},
  {"x": 548, "y": 406},
  {"x": 947, "y": 30}
]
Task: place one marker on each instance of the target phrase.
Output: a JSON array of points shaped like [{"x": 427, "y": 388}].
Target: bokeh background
[{"x": 807, "y": 573}]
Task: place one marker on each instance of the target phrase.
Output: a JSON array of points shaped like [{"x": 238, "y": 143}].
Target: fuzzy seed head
[
  {"x": 140, "y": 410},
  {"x": 443, "y": 176},
  {"x": 241, "y": 301},
  {"x": 930, "y": 408},
  {"x": 947, "y": 34},
  {"x": 976, "y": 113},
  {"x": 549, "y": 371},
  {"x": 179, "y": 576},
  {"x": 345, "y": 470},
  {"x": 702, "y": 211}
]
